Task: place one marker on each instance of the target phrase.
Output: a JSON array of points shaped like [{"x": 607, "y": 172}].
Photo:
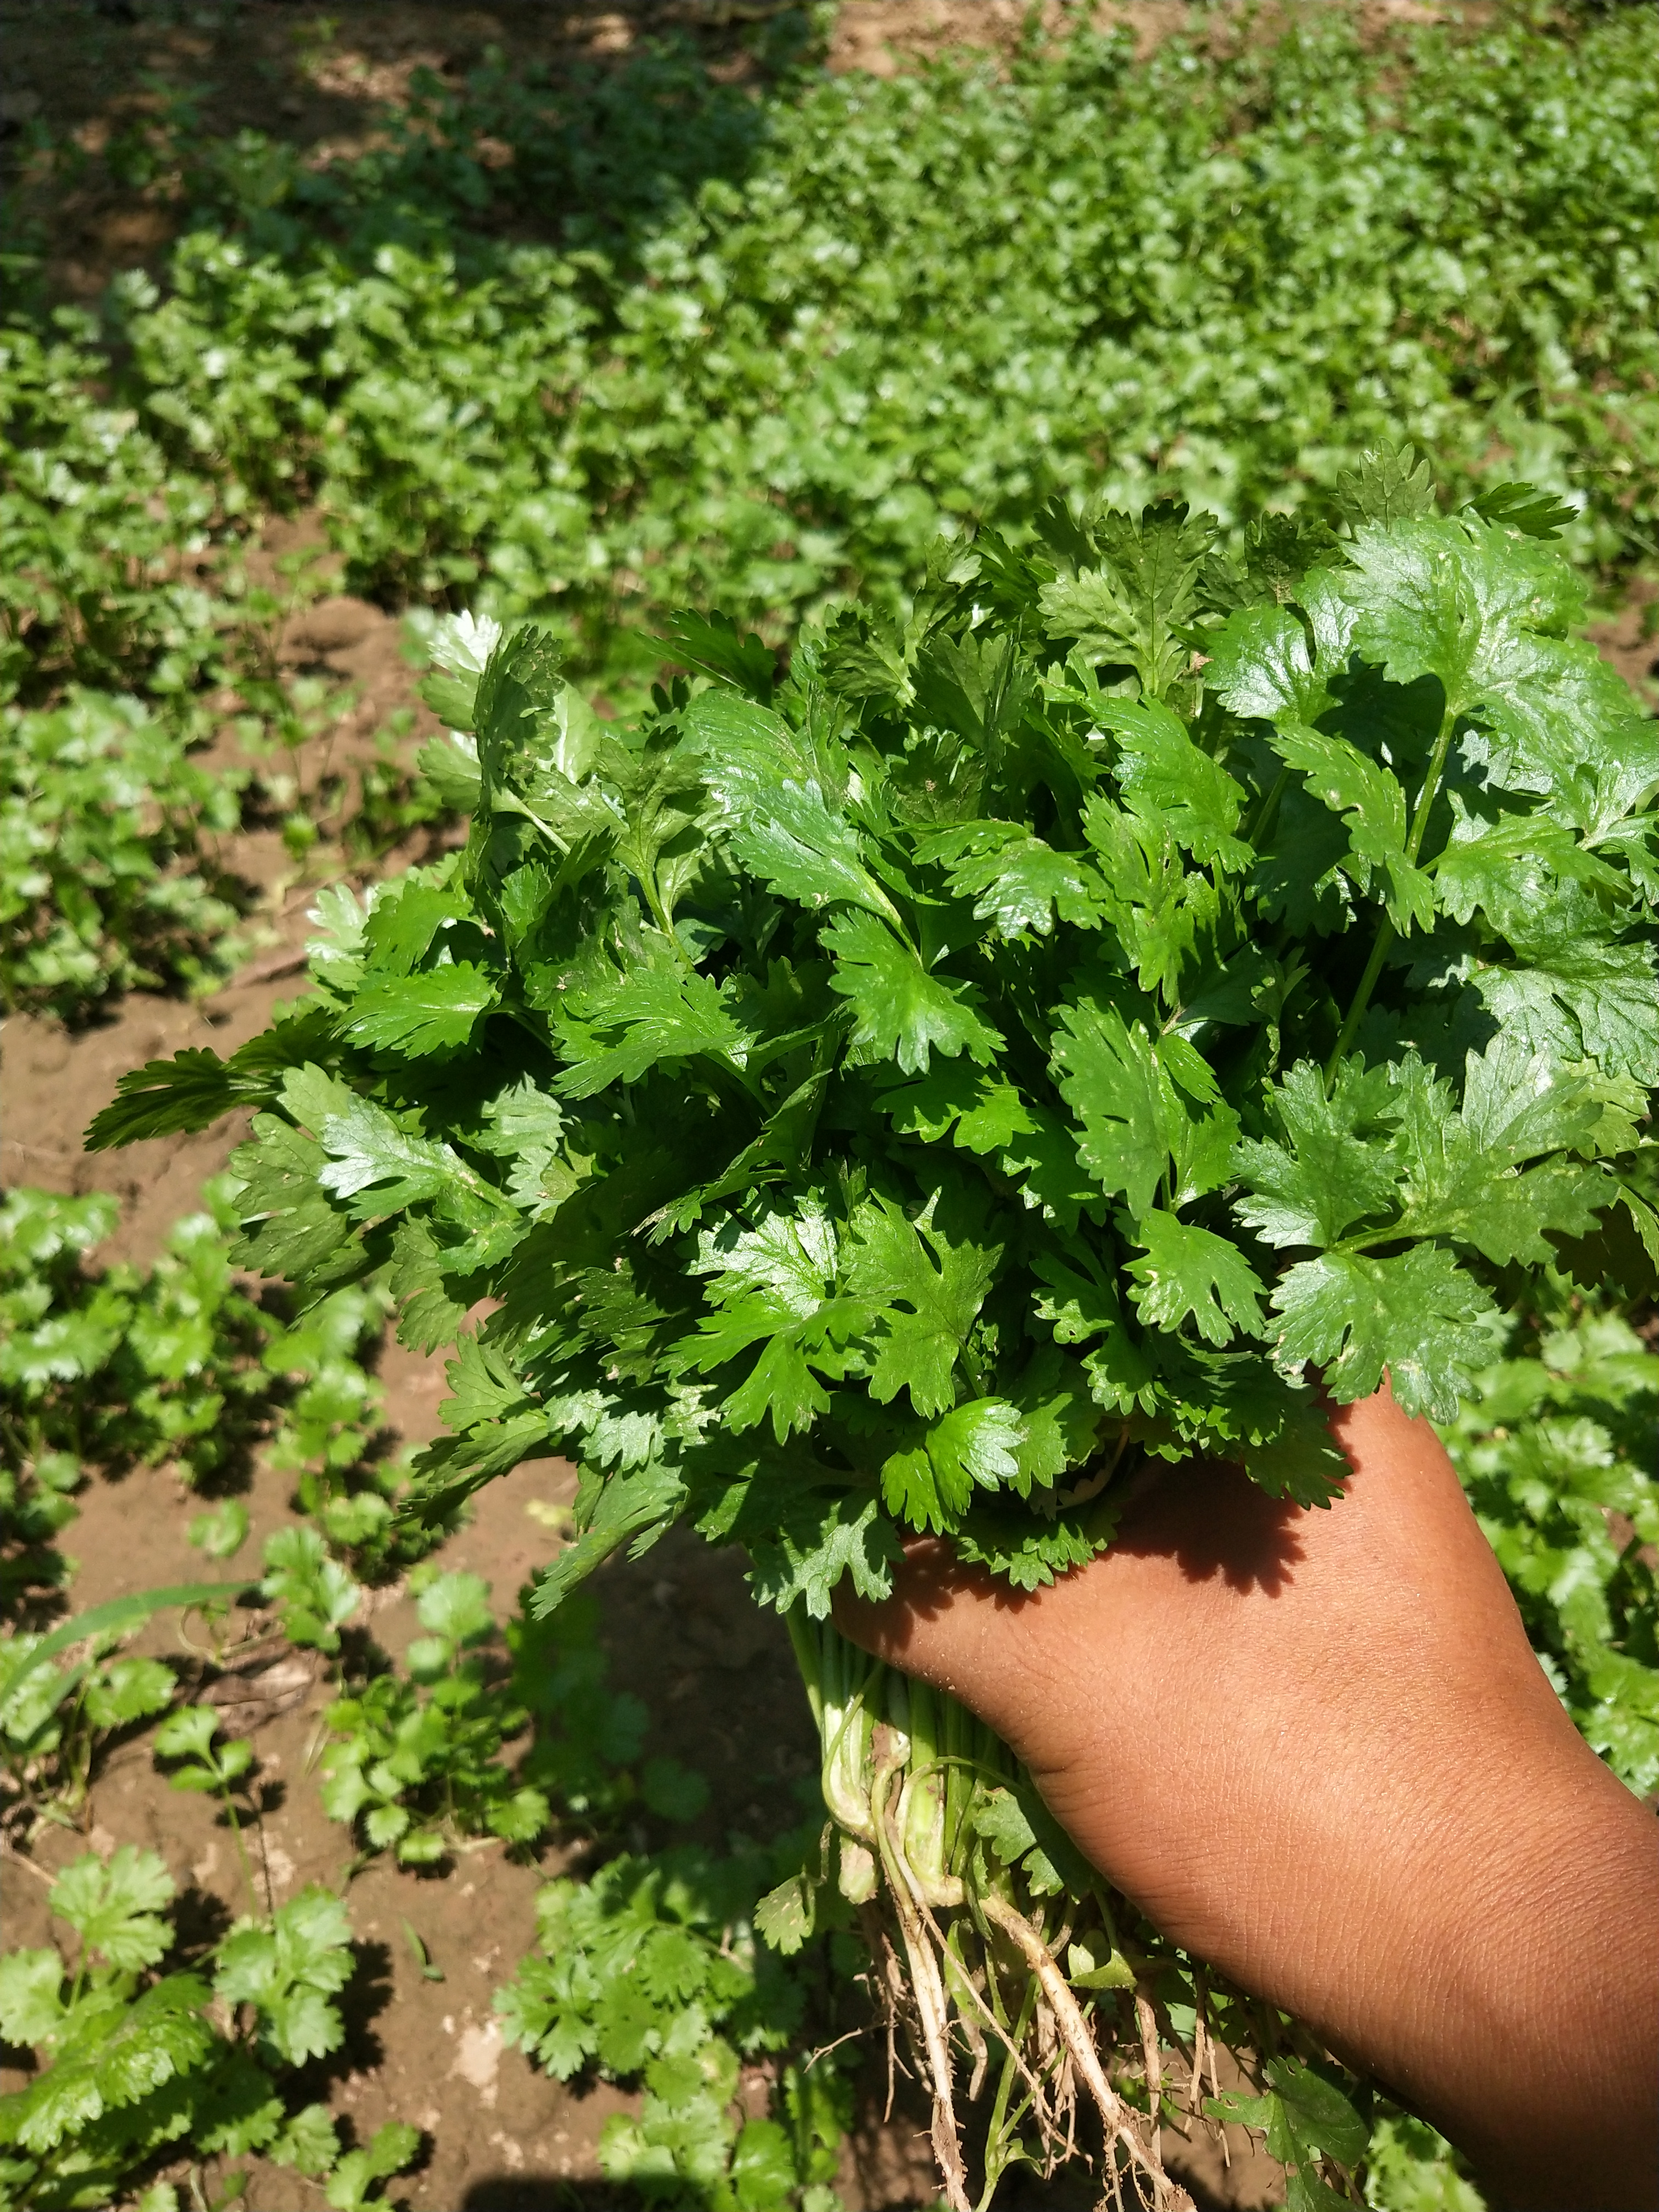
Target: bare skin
[{"x": 1315, "y": 1748}]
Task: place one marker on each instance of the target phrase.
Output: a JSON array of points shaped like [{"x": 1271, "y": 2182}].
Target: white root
[
  {"x": 893, "y": 1992},
  {"x": 1146, "y": 2020},
  {"x": 1196, "y": 2085},
  {"x": 924, "y": 1979},
  {"x": 1167, "y": 2196},
  {"x": 926, "y": 1985},
  {"x": 1033, "y": 2086}
]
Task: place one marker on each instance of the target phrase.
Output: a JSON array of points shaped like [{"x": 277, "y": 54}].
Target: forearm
[
  {"x": 1519, "y": 2011},
  {"x": 1483, "y": 1940},
  {"x": 1457, "y": 1895},
  {"x": 1513, "y": 1998}
]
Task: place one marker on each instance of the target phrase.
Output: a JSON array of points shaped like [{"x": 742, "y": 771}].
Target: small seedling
[
  {"x": 222, "y": 1530},
  {"x": 188, "y": 1737}
]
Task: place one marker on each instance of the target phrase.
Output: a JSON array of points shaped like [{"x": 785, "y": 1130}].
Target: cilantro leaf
[
  {"x": 368, "y": 1154},
  {"x": 1303, "y": 2115},
  {"x": 782, "y": 824},
  {"x": 1392, "y": 483},
  {"x": 1578, "y": 992},
  {"x": 1027, "y": 1554},
  {"x": 289, "y": 1229},
  {"x": 1503, "y": 867},
  {"x": 168, "y": 1097},
  {"x": 714, "y": 642},
  {"x": 484, "y": 1384},
  {"x": 927, "y": 1288},
  {"x": 1017, "y": 882},
  {"x": 1186, "y": 1270},
  {"x": 1482, "y": 609},
  {"x": 775, "y": 1286},
  {"x": 816, "y": 1546},
  {"x": 161, "y": 2035},
  {"x": 435, "y": 1010},
  {"x": 1336, "y": 1170},
  {"x": 1373, "y": 810},
  {"x": 32, "y": 2009},
  {"x": 616, "y": 1034},
  {"x": 1165, "y": 775},
  {"x": 1522, "y": 507},
  {"x": 1022, "y": 1831},
  {"x": 115, "y": 1908},
  {"x": 1258, "y": 665},
  {"x": 928, "y": 1485},
  {"x": 1111, "y": 1078},
  {"x": 1419, "y": 1317},
  {"x": 1132, "y": 607},
  {"x": 632, "y": 1510},
  {"x": 904, "y": 1012}
]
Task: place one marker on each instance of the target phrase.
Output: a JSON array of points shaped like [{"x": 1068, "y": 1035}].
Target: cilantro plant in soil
[
  {"x": 135, "y": 2067},
  {"x": 913, "y": 1094}
]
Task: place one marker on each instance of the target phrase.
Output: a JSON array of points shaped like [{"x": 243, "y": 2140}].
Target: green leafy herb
[
  {"x": 649, "y": 1972},
  {"x": 131, "y": 2065}
]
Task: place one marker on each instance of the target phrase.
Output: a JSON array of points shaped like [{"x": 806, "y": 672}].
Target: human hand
[{"x": 1315, "y": 1748}]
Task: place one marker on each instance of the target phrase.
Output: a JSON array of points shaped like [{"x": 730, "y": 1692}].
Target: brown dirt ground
[{"x": 1629, "y": 638}]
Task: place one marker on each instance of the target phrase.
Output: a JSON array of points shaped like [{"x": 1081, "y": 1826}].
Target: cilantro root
[
  {"x": 919, "y": 1787},
  {"x": 910, "y": 1092}
]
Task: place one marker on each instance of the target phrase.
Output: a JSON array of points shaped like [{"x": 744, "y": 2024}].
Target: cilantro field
[{"x": 337, "y": 348}]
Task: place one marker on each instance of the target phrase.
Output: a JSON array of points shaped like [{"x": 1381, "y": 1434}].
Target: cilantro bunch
[
  {"x": 881, "y": 1100},
  {"x": 900, "y": 1095}
]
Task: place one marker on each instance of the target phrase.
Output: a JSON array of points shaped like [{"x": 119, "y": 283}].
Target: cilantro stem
[
  {"x": 1387, "y": 933},
  {"x": 1002, "y": 2126},
  {"x": 1269, "y": 808},
  {"x": 1431, "y": 790},
  {"x": 242, "y": 1847},
  {"x": 1380, "y": 951},
  {"x": 726, "y": 1072},
  {"x": 660, "y": 915}
]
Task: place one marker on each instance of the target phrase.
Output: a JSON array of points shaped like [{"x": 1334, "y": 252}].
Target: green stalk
[
  {"x": 242, "y": 1847},
  {"x": 922, "y": 1804},
  {"x": 959, "y": 1747},
  {"x": 1001, "y": 2125},
  {"x": 1431, "y": 790},
  {"x": 845, "y": 1688},
  {"x": 1380, "y": 949},
  {"x": 808, "y": 1657},
  {"x": 1269, "y": 808}
]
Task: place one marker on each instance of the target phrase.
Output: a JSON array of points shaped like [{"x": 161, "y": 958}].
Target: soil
[{"x": 1629, "y": 638}]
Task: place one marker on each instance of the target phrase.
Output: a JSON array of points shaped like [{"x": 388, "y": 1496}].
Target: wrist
[{"x": 1502, "y": 2007}]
